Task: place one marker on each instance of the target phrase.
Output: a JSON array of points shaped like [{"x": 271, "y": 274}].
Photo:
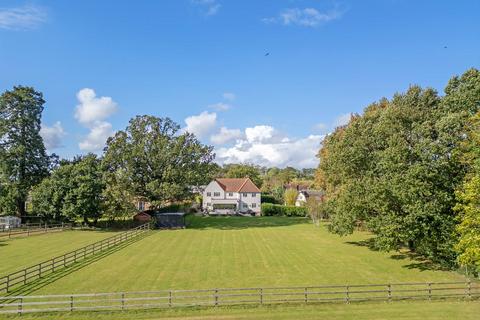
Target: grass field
[
  {"x": 17, "y": 253},
  {"x": 411, "y": 310},
  {"x": 240, "y": 252}
]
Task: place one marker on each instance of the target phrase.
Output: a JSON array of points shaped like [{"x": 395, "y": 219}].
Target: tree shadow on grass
[
  {"x": 61, "y": 273},
  {"x": 419, "y": 262},
  {"x": 238, "y": 223}
]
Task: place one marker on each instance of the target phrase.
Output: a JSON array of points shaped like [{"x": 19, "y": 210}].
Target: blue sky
[{"x": 203, "y": 63}]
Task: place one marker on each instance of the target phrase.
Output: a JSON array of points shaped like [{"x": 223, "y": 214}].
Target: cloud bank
[
  {"x": 22, "y": 18},
  {"x": 91, "y": 112}
]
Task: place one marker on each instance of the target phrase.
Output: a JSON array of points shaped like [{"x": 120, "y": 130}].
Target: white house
[
  {"x": 304, "y": 195},
  {"x": 230, "y": 195}
]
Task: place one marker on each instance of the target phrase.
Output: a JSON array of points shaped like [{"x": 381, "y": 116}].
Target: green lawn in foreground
[
  {"x": 411, "y": 310},
  {"x": 18, "y": 253},
  {"x": 243, "y": 252}
]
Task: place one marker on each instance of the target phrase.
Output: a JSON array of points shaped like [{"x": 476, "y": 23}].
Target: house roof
[
  {"x": 312, "y": 193},
  {"x": 237, "y": 185}
]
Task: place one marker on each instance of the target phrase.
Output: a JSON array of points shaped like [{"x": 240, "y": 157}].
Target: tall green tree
[
  {"x": 468, "y": 207},
  {"x": 73, "y": 191},
  {"x": 23, "y": 159},
  {"x": 395, "y": 168},
  {"x": 156, "y": 161},
  {"x": 243, "y": 170}
]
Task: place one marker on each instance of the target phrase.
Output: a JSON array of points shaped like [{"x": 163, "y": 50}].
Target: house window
[
  {"x": 254, "y": 195},
  {"x": 216, "y": 194},
  {"x": 230, "y": 194},
  {"x": 245, "y": 205},
  {"x": 254, "y": 205},
  {"x": 245, "y": 195},
  {"x": 209, "y": 204},
  {"x": 141, "y": 205},
  {"x": 209, "y": 194}
]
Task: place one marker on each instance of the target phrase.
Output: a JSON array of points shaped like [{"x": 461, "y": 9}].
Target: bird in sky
[
  {"x": 267, "y": 54},
  {"x": 445, "y": 47}
]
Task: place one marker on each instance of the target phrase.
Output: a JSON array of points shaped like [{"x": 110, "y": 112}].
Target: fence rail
[
  {"x": 27, "y": 275},
  {"x": 242, "y": 296},
  {"x": 30, "y": 230}
]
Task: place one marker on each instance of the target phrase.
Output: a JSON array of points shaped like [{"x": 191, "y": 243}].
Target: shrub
[
  {"x": 268, "y": 198},
  {"x": 270, "y": 209}
]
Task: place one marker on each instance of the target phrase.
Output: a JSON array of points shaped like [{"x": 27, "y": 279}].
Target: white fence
[{"x": 239, "y": 296}]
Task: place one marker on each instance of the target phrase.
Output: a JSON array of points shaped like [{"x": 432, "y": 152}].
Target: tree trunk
[{"x": 21, "y": 208}]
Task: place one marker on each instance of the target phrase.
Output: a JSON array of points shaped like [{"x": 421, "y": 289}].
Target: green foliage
[
  {"x": 156, "y": 162},
  {"x": 243, "y": 170},
  {"x": 270, "y": 209},
  {"x": 290, "y": 197},
  {"x": 468, "y": 195},
  {"x": 72, "y": 191},
  {"x": 395, "y": 167},
  {"x": 268, "y": 198},
  {"x": 23, "y": 159}
]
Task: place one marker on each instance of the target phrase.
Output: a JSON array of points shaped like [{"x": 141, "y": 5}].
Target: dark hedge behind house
[{"x": 269, "y": 209}]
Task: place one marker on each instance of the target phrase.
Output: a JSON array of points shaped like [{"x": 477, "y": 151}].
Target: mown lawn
[
  {"x": 242, "y": 252},
  {"x": 18, "y": 253},
  {"x": 411, "y": 310}
]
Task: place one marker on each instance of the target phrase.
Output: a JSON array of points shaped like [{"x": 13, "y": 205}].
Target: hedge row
[
  {"x": 268, "y": 198},
  {"x": 269, "y": 209}
]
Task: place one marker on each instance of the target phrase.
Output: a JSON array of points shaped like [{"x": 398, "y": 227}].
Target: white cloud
[
  {"x": 342, "y": 120},
  {"x": 22, "y": 18},
  {"x": 265, "y": 146},
  {"x": 91, "y": 108},
  {"x": 52, "y": 136},
  {"x": 307, "y": 17},
  {"x": 260, "y": 134},
  {"x": 226, "y": 135},
  {"x": 229, "y": 96},
  {"x": 91, "y": 113},
  {"x": 201, "y": 124},
  {"x": 220, "y": 106},
  {"x": 96, "y": 138},
  {"x": 209, "y": 7}
]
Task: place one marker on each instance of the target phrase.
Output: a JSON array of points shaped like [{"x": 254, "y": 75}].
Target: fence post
[
  {"x": 8, "y": 283},
  {"x": 469, "y": 288},
  {"x": 170, "y": 298},
  {"x": 216, "y": 297},
  {"x": 20, "y": 306},
  {"x": 261, "y": 295},
  {"x": 306, "y": 294},
  {"x": 429, "y": 291},
  {"x": 347, "y": 292},
  {"x": 40, "y": 270},
  {"x": 123, "y": 300},
  {"x": 389, "y": 289},
  {"x": 71, "y": 303},
  {"x": 53, "y": 264},
  {"x": 24, "y": 276}
]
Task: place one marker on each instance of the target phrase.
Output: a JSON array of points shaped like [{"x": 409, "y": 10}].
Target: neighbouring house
[
  {"x": 142, "y": 204},
  {"x": 304, "y": 195},
  {"x": 231, "y": 195}
]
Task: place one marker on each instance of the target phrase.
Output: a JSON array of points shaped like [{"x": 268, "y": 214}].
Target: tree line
[
  {"x": 151, "y": 160},
  {"x": 408, "y": 169}
]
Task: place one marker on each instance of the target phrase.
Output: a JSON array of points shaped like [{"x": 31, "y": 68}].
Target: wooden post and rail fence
[
  {"x": 241, "y": 296},
  {"x": 27, "y": 275},
  {"x": 34, "y": 229}
]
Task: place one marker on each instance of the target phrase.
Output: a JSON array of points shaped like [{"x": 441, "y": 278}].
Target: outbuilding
[
  {"x": 142, "y": 217},
  {"x": 10, "y": 222},
  {"x": 170, "y": 220}
]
